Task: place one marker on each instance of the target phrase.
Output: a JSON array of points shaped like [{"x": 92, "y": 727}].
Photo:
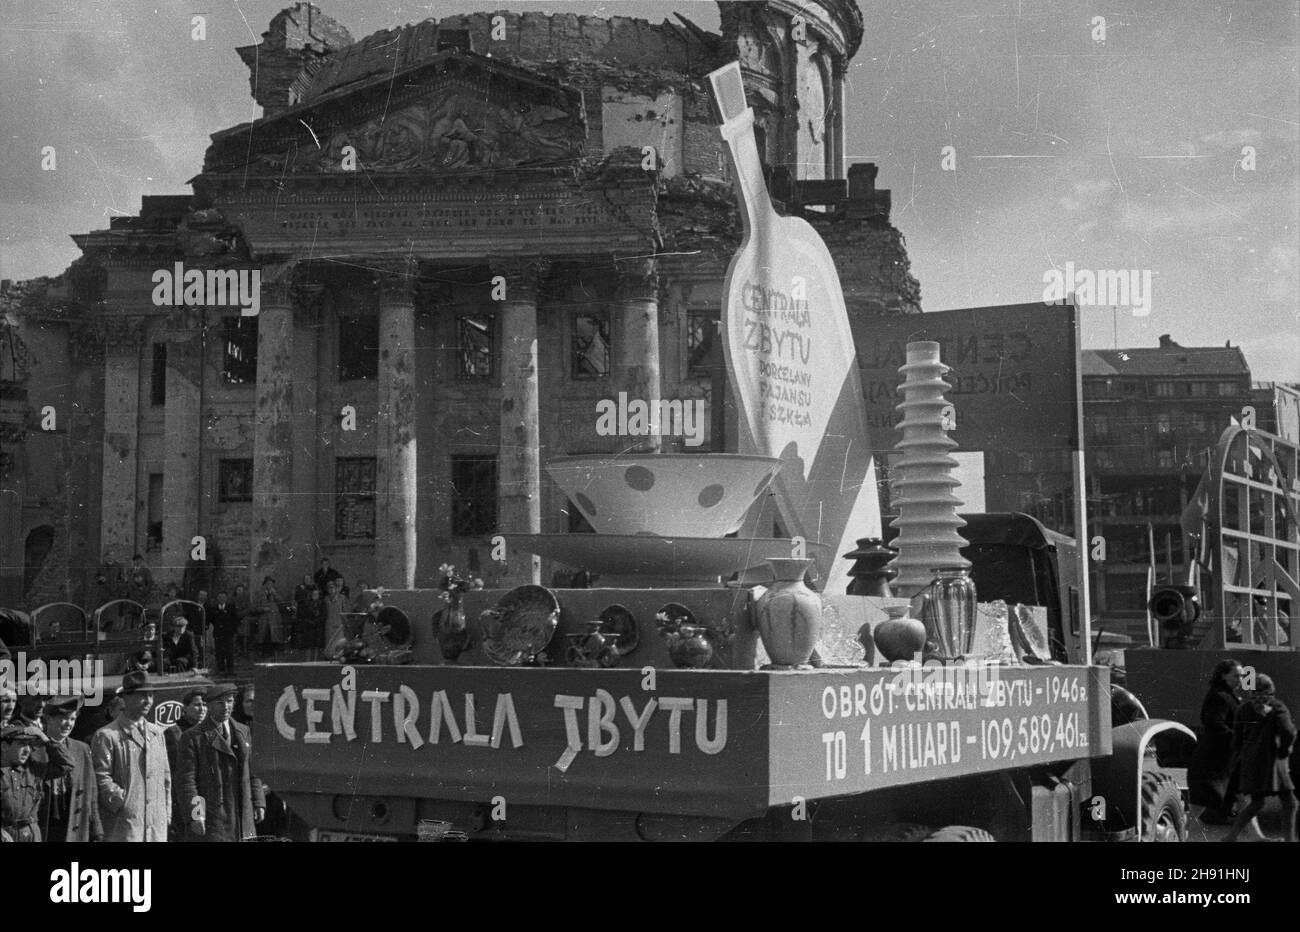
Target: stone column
[
  {"x": 396, "y": 477},
  {"x": 519, "y": 466},
  {"x": 121, "y": 501},
  {"x": 273, "y": 429},
  {"x": 307, "y": 431},
  {"x": 635, "y": 337},
  {"x": 839, "y": 123},
  {"x": 182, "y": 433}
]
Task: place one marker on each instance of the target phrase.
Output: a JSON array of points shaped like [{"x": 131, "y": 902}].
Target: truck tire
[
  {"x": 1163, "y": 816},
  {"x": 960, "y": 833}
]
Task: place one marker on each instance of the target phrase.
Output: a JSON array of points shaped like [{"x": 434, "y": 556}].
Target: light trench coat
[{"x": 135, "y": 781}]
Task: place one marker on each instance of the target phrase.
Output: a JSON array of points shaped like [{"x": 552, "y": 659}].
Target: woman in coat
[
  {"x": 270, "y": 625},
  {"x": 1262, "y": 738},
  {"x": 1210, "y": 776},
  {"x": 70, "y": 806},
  {"x": 222, "y": 799}
]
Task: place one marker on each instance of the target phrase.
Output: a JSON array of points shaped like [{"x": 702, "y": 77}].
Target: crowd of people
[
  {"x": 135, "y": 780},
  {"x": 239, "y": 624},
  {"x": 139, "y": 781},
  {"x": 1244, "y": 755}
]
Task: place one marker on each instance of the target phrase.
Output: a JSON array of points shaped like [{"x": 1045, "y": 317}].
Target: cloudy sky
[{"x": 1125, "y": 153}]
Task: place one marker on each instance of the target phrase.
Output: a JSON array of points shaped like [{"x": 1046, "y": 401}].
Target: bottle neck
[{"x": 752, "y": 187}]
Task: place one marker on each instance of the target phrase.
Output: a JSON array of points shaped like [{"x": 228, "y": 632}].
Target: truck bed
[{"x": 717, "y": 743}]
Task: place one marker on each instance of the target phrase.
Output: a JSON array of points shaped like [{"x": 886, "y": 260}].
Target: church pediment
[{"x": 456, "y": 112}]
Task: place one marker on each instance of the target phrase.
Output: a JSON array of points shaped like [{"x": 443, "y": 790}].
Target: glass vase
[{"x": 950, "y": 612}]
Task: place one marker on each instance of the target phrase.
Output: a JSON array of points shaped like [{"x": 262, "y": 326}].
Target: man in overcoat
[
  {"x": 216, "y": 783},
  {"x": 130, "y": 757}
]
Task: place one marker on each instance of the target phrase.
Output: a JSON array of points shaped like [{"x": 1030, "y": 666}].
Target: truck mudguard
[{"x": 1118, "y": 778}]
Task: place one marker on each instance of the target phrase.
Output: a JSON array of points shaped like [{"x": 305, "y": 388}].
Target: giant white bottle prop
[{"x": 791, "y": 358}]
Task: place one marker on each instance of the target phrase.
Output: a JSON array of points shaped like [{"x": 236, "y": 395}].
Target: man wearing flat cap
[
  {"x": 70, "y": 804},
  {"x": 131, "y": 769},
  {"x": 21, "y": 786},
  {"x": 222, "y": 798}
]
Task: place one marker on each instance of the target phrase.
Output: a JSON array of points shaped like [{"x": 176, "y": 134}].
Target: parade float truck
[
  {"x": 607, "y": 738},
  {"x": 683, "y": 699},
  {"x": 1240, "y": 594}
]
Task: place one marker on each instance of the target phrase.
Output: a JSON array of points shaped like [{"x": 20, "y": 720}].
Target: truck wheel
[
  {"x": 960, "y": 833},
  {"x": 1163, "y": 818}
]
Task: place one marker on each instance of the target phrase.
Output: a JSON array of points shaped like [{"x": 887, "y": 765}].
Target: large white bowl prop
[
  {"x": 791, "y": 358},
  {"x": 664, "y": 494},
  {"x": 922, "y": 480}
]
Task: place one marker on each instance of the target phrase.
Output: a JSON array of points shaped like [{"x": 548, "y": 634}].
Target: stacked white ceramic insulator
[{"x": 922, "y": 479}]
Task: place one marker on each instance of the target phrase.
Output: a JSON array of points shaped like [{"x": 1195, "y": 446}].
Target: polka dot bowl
[{"x": 664, "y": 494}]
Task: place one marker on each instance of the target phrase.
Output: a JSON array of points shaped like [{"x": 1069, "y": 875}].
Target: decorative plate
[
  {"x": 674, "y": 615},
  {"x": 619, "y": 622},
  {"x": 525, "y": 619}
]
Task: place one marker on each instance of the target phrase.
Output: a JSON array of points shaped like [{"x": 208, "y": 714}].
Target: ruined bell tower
[{"x": 794, "y": 56}]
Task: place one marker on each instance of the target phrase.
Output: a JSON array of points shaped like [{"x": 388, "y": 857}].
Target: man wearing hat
[
  {"x": 131, "y": 769},
  {"x": 223, "y": 801},
  {"x": 70, "y": 804},
  {"x": 21, "y": 786}
]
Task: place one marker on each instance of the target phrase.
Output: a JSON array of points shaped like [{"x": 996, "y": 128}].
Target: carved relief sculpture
[{"x": 457, "y": 131}]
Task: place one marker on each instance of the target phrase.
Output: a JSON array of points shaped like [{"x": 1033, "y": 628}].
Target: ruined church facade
[{"x": 469, "y": 234}]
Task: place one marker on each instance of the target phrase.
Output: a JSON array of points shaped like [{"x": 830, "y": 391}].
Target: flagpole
[
  {"x": 1151, "y": 582},
  {"x": 1080, "y": 482}
]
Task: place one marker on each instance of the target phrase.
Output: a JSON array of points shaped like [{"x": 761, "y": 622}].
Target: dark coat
[
  {"x": 225, "y": 621},
  {"x": 173, "y": 736},
  {"x": 221, "y": 774},
  {"x": 22, "y": 789},
  {"x": 1208, "y": 776},
  {"x": 83, "y": 795},
  {"x": 181, "y": 653},
  {"x": 243, "y": 603},
  {"x": 1262, "y": 739},
  {"x": 309, "y": 626},
  {"x": 322, "y": 579}
]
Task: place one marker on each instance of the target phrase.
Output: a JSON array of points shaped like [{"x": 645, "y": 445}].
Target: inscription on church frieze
[
  {"x": 448, "y": 227},
  {"x": 483, "y": 217}
]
